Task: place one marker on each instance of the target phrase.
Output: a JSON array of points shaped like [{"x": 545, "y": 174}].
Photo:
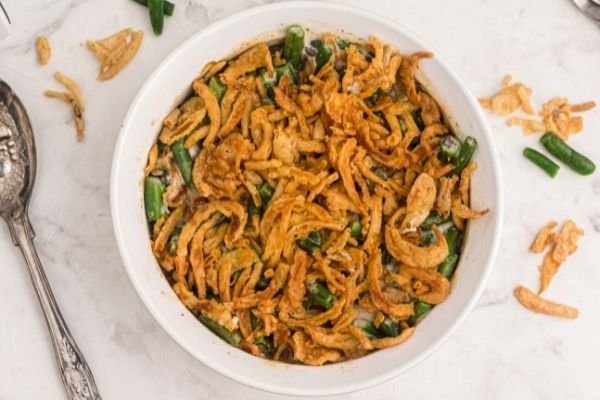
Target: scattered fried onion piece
[
  {"x": 510, "y": 98},
  {"x": 73, "y": 98},
  {"x": 535, "y": 303},
  {"x": 566, "y": 241},
  {"x": 43, "y": 50},
  {"x": 116, "y": 51},
  {"x": 544, "y": 238}
]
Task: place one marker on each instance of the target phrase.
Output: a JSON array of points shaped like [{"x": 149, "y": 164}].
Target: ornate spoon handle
[{"x": 75, "y": 373}]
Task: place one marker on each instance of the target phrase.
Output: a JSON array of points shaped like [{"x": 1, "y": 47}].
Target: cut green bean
[
  {"x": 168, "y": 8},
  {"x": 316, "y": 43},
  {"x": 389, "y": 327},
  {"x": 356, "y": 230},
  {"x": 154, "y": 189},
  {"x": 294, "y": 45},
  {"x": 452, "y": 236},
  {"x": 573, "y": 159},
  {"x": 418, "y": 118},
  {"x": 172, "y": 244},
  {"x": 269, "y": 81},
  {"x": 217, "y": 87},
  {"x": 311, "y": 243},
  {"x": 286, "y": 70},
  {"x": 549, "y": 166},
  {"x": 367, "y": 326},
  {"x": 386, "y": 257},
  {"x": 464, "y": 155},
  {"x": 448, "y": 266},
  {"x": 231, "y": 337},
  {"x": 323, "y": 55},
  {"x": 156, "y": 9},
  {"x": 449, "y": 148},
  {"x": 319, "y": 294},
  {"x": 342, "y": 44},
  {"x": 432, "y": 219},
  {"x": 265, "y": 192},
  {"x": 183, "y": 160},
  {"x": 262, "y": 283},
  {"x": 420, "y": 309}
]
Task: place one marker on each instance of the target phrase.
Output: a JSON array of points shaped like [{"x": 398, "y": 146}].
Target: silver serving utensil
[
  {"x": 17, "y": 174},
  {"x": 591, "y": 8}
]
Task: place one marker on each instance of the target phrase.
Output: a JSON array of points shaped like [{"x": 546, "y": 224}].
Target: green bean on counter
[{"x": 574, "y": 160}]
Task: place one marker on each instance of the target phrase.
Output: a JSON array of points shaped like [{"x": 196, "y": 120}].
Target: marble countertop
[{"x": 499, "y": 352}]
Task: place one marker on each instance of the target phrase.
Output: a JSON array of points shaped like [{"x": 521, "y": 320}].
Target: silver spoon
[
  {"x": 591, "y": 8},
  {"x": 17, "y": 174}
]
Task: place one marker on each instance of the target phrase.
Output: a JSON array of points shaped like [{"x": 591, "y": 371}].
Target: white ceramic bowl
[{"x": 171, "y": 82}]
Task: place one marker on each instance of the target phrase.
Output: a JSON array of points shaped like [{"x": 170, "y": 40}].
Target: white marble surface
[{"x": 499, "y": 352}]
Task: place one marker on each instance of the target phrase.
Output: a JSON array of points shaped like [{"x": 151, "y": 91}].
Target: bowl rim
[{"x": 471, "y": 102}]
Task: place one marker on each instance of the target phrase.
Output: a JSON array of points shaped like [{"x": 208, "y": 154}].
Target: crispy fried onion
[
  {"x": 252, "y": 59},
  {"x": 544, "y": 238},
  {"x": 419, "y": 203},
  {"x": 426, "y": 285},
  {"x": 413, "y": 255},
  {"x": 565, "y": 244},
  {"x": 116, "y": 51},
  {"x": 535, "y": 303},
  {"x": 216, "y": 170},
  {"x": 73, "y": 98},
  {"x": 374, "y": 271}
]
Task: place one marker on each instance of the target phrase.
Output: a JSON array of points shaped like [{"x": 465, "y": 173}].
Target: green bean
[
  {"x": 168, "y": 8},
  {"x": 217, "y": 87},
  {"x": 574, "y": 160},
  {"x": 311, "y": 243},
  {"x": 266, "y": 192},
  {"x": 448, "y": 266},
  {"x": 449, "y": 148},
  {"x": 418, "y": 118},
  {"x": 154, "y": 189},
  {"x": 549, "y": 166},
  {"x": 432, "y": 219},
  {"x": 452, "y": 236},
  {"x": 386, "y": 257},
  {"x": 323, "y": 55},
  {"x": 287, "y": 70},
  {"x": 356, "y": 230},
  {"x": 464, "y": 155},
  {"x": 316, "y": 43},
  {"x": 253, "y": 209},
  {"x": 172, "y": 244},
  {"x": 265, "y": 345},
  {"x": 403, "y": 126},
  {"x": 389, "y": 327},
  {"x": 427, "y": 237},
  {"x": 342, "y": 44},
  {"x": 294, "y": 45},
  {"x": 262, "y": 283},
  {"x": 267, "y": 101},
  {"x": 183, "y": 160},
  {"x": 367, "y": 326},
  {"x": 156, "y": 9},
  {"x": 420, "y": 309},
  {"x": 269, "y": 81},
  {"x": 231, "y": 337},
  {"x": 254, "y": 322},
  {"x": 319, "y": 294}
]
